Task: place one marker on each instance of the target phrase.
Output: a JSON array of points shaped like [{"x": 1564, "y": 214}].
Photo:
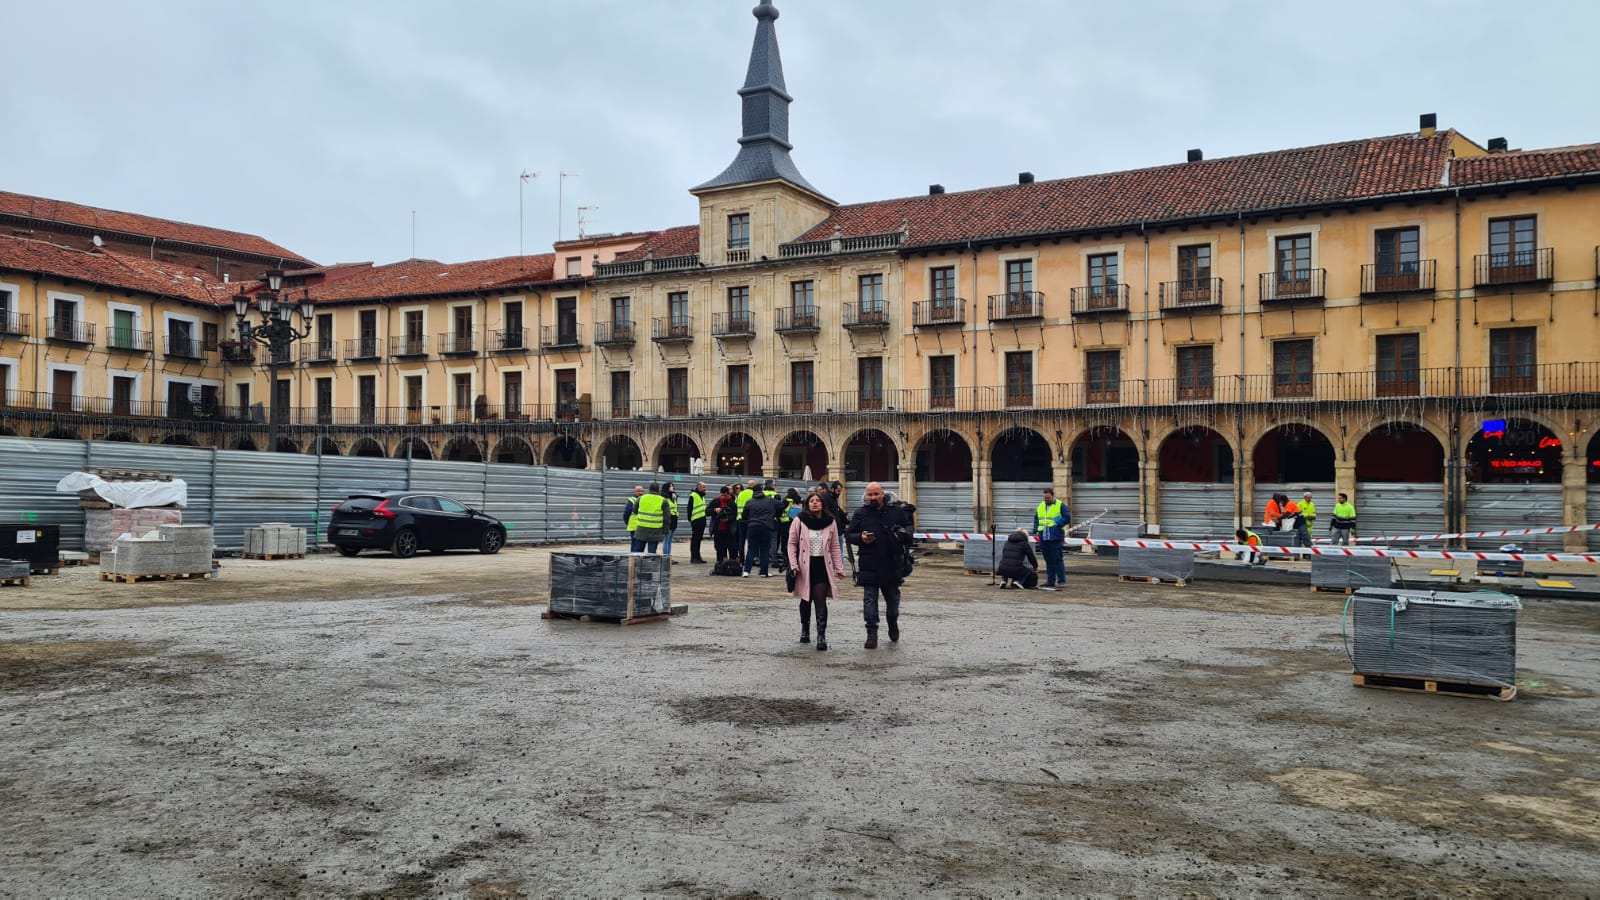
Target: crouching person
[{"x": 1018, "y": 565}]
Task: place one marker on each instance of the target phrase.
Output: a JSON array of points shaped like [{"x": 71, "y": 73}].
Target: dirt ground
[{"x": 409, "y": 728}]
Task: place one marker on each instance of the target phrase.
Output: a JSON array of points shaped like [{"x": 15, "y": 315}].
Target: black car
[{"x": 407, "y": 521}]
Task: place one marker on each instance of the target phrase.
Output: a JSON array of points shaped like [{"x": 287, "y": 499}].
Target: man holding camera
[{"x": 882, "y": 537}]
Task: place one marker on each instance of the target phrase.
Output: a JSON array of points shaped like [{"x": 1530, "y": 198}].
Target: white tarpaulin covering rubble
[{"x": 127, "y": 494}]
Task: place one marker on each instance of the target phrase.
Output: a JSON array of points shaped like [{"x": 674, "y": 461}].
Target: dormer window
[{"x": 739, "y": 231}]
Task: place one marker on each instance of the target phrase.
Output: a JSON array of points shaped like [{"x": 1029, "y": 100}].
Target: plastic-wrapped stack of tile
[
  {"x": 1156, "y": 562},
  {"x": 1107, "y": 531},
  {"x": 171, "y": 550},
  {"x": 275, "y": 539},
  {"x": 15, "y": 568},
  {"x": 1440, "y": 635},
  {"x": 102, "y": 527},
  {"x": 981, "y": 556},
  {"x": 1351, "y": 571},
  {"x": 1277, "y": 538},
  {"x": 614, "y": 585}
]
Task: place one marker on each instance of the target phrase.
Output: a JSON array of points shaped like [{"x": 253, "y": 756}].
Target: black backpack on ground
[{"x": 728, "y": 567}]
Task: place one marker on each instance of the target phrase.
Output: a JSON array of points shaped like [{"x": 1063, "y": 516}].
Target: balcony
[
  {"x": 1016, "y": 305},
  {"x": 1292, "y": 285},
  {"x": 561, "y": 337},
  {"x": 672, "y": 329},
  {"x": 1100, "y": 300},
  {"x": 69, "y": 331},
  {"x": 796, "y": 321},
  {"x": 939, "y": 312},
  {"x": 362, "y": 349},
  {"x": 1514, "y": 267},
  {"x": 858, "y": 317},
  {"x": 1412, "y": 277},
  {"x": 738, "y": 255},
  {"x": 457, "y": 343},
  {"x": 648, "y": 264},
  {"x": 126, "y": 340},
  {"x": 284, "y": 357},
  {"x": 509, "y": 340},
  {"x": 181, "y": 346},
  {"x": 13, "y": 324},
  {"x": 238, "y": 351},
  {"x": 614, "y": 334},
  {"x": 411, "y": 346},
  {"x": 320, "y": 353},
  {"x": 1191, "y": 294},
  {"x": 1019, "y": 396},
  {"x": 740, "y": 324}
]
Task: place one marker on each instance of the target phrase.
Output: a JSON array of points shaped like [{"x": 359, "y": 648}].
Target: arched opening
[
  {"x": 244, "y": 443},
  {"x": 287, "y": 446},
  {"x": 870, "y": 455},
  {"x": 1399, "y": 482},
  {"x": 1105, "y": 477},
  {"x": 121, "y": 437},
  {"x": 414, "y": 448},
  {"x": 943, "y": 468},
  {"x": 1291, "y": 454},
  {"x": 566, "y": 452},
  {"x": 618, "y": 452},
  {"x": 1192, "y": 461},
  {"x": 180, "y": 440},
  {"x": 463, "y": 449},
  {"x": 1022, "y": 454},
  {"x": 366, "y": 447},
  {"x": 327, "y": 446},
  {"x": 738, "y": 454},
  {"x": 802, "y": 451},
  {"x": 513, "y": 450},
  {"x": 675, "y": 452},
  {"x": 1513, "y": 471},
  {"x": 60, "y": 434}
]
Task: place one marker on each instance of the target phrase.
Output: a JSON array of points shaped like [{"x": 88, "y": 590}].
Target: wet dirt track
[{"x": 412, "y": 728}]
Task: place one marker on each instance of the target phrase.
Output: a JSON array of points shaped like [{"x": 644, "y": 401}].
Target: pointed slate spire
[{"x": 764, "y": 147}]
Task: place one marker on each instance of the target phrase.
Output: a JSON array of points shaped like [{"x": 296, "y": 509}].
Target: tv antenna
[
  {"x": 522, "y": 180},
  {"x": 582, "y": 220}
]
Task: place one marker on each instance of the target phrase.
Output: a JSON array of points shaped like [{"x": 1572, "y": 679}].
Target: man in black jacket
[
  {"x": 760, "y": 519},
  {"x": 881, "y": 535}
]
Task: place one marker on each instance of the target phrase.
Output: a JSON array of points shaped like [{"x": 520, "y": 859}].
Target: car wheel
[
  {"x": 405, "y": 543},
  {"x": 493, "y": 540},
  {"x": 349, "y": 551}
]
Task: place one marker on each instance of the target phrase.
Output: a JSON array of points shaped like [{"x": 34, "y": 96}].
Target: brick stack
[
  {"x": 171, "y": 550},
  {"x": 275, "y": 539},
  {"x": 102, "y": 527}
]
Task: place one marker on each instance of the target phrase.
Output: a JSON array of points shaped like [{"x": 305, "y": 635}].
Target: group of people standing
[{"x": 1283, "y": 514}]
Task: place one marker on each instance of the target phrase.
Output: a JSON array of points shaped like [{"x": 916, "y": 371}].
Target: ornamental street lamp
[{"x": 276, "y": 331}]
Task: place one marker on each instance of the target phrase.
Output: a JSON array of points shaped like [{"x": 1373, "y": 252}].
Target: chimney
[
  {"x": 1498, "y": 145},
  {"x": 1428, "y": 123},
  {"x": 1195, "y": 155},
  {"x": 935, "y": 189},
  {"x": 1024, "y": 178}
]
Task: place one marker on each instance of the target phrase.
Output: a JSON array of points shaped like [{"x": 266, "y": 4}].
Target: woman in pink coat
[{"x": 816, "y": 556}]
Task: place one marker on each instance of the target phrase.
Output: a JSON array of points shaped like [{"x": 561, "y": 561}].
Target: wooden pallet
[
  {"x": 984, "y": 572},
  {"x": 1151, "y": 579},
  {"x": 79, "y": 559},
  {"x": 1322, "y": 589},
  {"x": 23, "y": 581},
  {"x": 610, "y": 620},
  {"x": 1434, "y": 686},
  {"x": 272, "y": 556},
  {"x": 137, "y": 579},
  {"x": 54, "y": 571}
]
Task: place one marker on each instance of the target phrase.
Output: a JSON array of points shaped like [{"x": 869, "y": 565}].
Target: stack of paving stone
[
  {"x": 1109, "y": 531},
  {"x": 171, "y": 550},
  {"x": 102, "y": 527},
  {"x": 1350, "y": 571},
  {"x": 275, "y": 539},
  {"x": 610, "y": 585},
  {"x": 15, "y": 568},
  {"x": 1156, "y": 562},
  {"x": 983, "y": 556},
  {"x": 1442, "y": 635}
]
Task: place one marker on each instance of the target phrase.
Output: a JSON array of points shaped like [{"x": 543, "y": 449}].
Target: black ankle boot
[
  {"x": 894, "y": 631},
  {"x": 805, "y": 622},
  {"x": 822, "y": 637}
]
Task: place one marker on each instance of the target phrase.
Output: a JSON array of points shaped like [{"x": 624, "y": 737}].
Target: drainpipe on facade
[
  {"x": 389, "y": 373},
  {"x": 1242, "y": 504},
  {"x": 152, "y": 362},
  {"x": 538, "y": 321},
  {"x": 977, "y": 476},
  {"x": 39, "y": 343},
  {"x": 1455, "y": 501},
  {"x": 1144, "y": 507}
]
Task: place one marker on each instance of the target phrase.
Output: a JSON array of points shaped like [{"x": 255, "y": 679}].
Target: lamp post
[{"x": 276, "y": 331}]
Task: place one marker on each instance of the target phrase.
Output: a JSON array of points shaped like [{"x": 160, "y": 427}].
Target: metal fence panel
[
  {"x": 463, "y": 481},
  {"x": 1016, "y": 504},
  {"x": 519, "y": 496},
  {"x": 1196, "y": 511},
  {"x": 1498, "y": 507},
  {"x": 945, "y": 506},
  {"x": 1119, "y": 500},
  {"x": 29, "y": 470},
  {"x": 577, "y": 508},
  {"x": 252, "y": 488},
  {"x": 1385, "y": 508},
  {"x": 192, "y": 464}
]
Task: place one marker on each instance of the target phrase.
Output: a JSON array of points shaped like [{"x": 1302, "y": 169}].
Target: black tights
[{"x": 820, "y": 587}]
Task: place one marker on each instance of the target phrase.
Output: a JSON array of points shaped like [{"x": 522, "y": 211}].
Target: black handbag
[{"x": 790, "y": 577}]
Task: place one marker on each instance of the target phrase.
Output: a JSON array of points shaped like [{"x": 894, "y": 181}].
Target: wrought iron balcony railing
[
  {"x": 363, "y": 349},
  {"x": 1100, "y": 299},
  {"x": 1292, "y": 285},
  {"x": 1195, "y": 293},
  {"x": 614, "y": 334},
  {"x": 739, "y": 324},
  {"x": 1016, "y": 305},
  {"x": 672, "y": 329},
  {"x": 13, "y": 323},
  {"x": 805, "y": 320},
  {"x": 1515, "y": 267},
  {"x": 509, "y": 340},
  {"x": 939, "y": 312},
  {"x": 857, "y": 316},
  {"x": 410, "y": 345},
  {"x": 320, "y": 353},
  {"x": 129, "y": 341},
  {"x": 1416, "y": 276},
  {"x": 69, "y": 330},
  {"x": 561, "y": 337},
  {"x": 457, "y": 343},
  {"x": 183, "y": 347}
]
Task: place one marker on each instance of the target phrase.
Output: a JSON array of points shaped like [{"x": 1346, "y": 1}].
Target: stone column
[
  {"x": 1150, "y": 491},
  {"x": 1344, "y": 479},
  {"x": 1245, "y": 479},
  {"x": 1574, "y": 502}
]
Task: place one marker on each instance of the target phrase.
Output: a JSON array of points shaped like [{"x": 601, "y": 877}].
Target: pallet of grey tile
[
  {"x": 610, "y": 585},
  {"x": 981, "y": 556},
  {"x": 1436, "y": 635},
  {"x": 1277, "y": 538},
  {"x": 1111, "y": 531},
  {"x": 15, "y": 568},
  {"x": 1351, "y": 571},
  {"x": 1156, "y": 562}
]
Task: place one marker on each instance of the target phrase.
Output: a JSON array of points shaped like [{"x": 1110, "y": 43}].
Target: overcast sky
[{"x": 323, "y": 125}]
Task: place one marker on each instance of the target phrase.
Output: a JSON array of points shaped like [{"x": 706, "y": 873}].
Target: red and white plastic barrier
[
  {"x": 1520, "y": 532},
  {"x": 1236, "y": 547}
]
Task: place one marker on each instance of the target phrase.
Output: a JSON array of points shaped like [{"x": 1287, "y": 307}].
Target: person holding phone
[{"x": 882, "y": 539}]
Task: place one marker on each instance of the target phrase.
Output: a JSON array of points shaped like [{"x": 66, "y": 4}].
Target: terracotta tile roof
[
  {"x": 117, "y": 270},
  {"x": 1526, "y": 164},
  {"x": 1280, "y": 179},
  {"x": 680, "y": 241},
  {"x": 425, "y": 277},
  {"x": 132, "y": 223}
]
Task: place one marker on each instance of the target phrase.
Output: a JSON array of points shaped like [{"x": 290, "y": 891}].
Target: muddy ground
[{"x": 408, "y": 728}]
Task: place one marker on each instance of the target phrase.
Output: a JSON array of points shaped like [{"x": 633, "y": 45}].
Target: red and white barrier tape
[
  {"x": 1293, "y": 551},
  {"x": 1519, "y": 532}
]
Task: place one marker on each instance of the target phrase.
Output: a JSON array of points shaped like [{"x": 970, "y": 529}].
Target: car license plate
[{"x": 349, "y": 531}]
